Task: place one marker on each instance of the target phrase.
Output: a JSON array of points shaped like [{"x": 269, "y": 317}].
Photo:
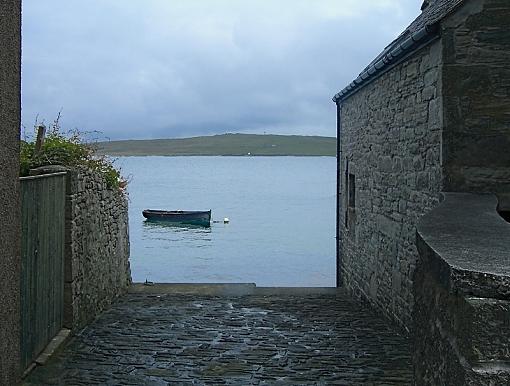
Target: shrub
[{"x": 68, "y": 150}]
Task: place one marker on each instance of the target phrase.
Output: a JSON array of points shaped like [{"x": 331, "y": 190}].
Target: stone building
[{"x": 429, "y": 120}]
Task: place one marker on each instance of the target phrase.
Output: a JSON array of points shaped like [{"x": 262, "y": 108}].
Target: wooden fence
[{"x": 42, "y": 280}]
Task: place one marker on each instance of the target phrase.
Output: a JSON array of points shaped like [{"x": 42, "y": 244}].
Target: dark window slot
[{"x": 352, "y": 191}]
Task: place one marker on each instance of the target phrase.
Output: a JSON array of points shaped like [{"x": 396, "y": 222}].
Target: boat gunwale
[
  {"x": 201, "y": 218},
  {"x": 176, "y": 212}
]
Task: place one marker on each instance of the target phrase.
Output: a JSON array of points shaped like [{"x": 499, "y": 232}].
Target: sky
[{"x": 135, "y": 69}]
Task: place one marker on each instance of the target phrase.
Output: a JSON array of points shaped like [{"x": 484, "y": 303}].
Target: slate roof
[
  {"x": 422, "y": 29},
  {"x": 436, "y": 11}
]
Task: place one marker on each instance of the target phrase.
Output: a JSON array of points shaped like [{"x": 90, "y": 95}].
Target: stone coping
[
  {"x": 469, "y": 245},
  {"x": 229, "y": 289}
]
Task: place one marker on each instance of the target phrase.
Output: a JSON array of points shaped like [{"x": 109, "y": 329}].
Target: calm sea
[{"x": 281, "y": 211}]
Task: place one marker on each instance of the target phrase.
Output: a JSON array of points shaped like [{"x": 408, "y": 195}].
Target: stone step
[
  {"x": 487, "y": 347},
  {"x": 490, "y": 373}
]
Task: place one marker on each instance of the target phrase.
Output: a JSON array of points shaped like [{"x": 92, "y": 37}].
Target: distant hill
[{"x": 225, "y": 144}]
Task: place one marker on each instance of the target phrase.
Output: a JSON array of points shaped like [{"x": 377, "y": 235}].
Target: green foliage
[
  {"x": 26, "y": 152},
  {"x": 71, "y": 151}
]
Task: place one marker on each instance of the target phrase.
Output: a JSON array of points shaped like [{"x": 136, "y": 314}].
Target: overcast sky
[{"x": 177, "y": 68}]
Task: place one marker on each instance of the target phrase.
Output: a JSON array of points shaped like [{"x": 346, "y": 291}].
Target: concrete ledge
[
  {"x": 467, "y": 242},
  {"x": 42, "y": 175},
  {"x": 229, "y": 289},
  {"x": 299, "y": 291},
  {"x": 218, "y": 289},
  {"x": 53, "y": 346}
]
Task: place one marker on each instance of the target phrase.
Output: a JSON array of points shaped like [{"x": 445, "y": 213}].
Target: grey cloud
[{"x": 179, "y": 68}]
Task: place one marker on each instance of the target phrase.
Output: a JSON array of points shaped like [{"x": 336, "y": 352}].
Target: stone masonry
[
  {"x": 10, "y": 213},
  {"x": 476, "y": 87},
  {"x": 97, "y": 247},
  {"x": 391, "y": 147}
]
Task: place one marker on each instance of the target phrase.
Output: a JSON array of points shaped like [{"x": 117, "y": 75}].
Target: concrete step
[{"x": 231, "y": 289}]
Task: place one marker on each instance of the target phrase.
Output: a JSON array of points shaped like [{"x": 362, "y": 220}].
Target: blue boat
[{"x": 202, "y": 218}]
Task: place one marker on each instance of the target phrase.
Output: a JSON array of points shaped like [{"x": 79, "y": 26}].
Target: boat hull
[{"x": 201, "y": 218}]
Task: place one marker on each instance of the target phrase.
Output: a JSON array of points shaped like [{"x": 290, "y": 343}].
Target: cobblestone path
[{"x": 257, "y": 339}]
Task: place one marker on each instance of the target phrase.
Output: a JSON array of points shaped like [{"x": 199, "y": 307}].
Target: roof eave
[{"x": 394, "y": 56}]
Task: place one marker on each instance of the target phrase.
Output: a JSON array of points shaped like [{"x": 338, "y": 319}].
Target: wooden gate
[{"x": 42, "y": 273}]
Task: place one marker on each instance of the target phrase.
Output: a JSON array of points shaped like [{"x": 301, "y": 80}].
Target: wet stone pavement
[{"x": 268, "y": 337}]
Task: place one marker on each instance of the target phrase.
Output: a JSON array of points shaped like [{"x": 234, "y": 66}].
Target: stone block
[
  {"x": 412, "y": 70},
  {"x": 428, "y": 93},
  {"x": 385, "y": 164},
  {"x": 418, "y": 163},
  {"x": 397, "y": 165},
  {"x": 402, "y": 206},
  {"x": 409, "y": 114},
  {"x": 425, "y": 63},
  {"x": 434, "y": 109},
  {"x": 436, "y": 54},
  {"x": 432, "y": 157},
  {"x": 388, "y": 226},
  {"x": 431, "y": 77}
]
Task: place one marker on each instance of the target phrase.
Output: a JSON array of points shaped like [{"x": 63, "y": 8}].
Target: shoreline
[{"x": 217, "y": 155}]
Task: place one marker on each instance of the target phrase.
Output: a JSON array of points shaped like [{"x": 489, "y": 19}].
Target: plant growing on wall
[{"x": 70, "y": 150}]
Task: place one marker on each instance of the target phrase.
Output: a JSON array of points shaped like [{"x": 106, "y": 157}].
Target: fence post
[{"x": 41, "y": 133}]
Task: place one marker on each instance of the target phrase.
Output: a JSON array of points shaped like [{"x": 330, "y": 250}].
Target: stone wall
[
  {"x": 10, "y": 234},
  {"x": 462, "y": 287},
  {"x": 476, "y": 88},
  {"x": 97, "y": 247},
  {"x": 390, "y": 176}
]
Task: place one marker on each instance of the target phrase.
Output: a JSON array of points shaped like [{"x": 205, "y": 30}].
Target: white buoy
[{"x": 226, "y": 220}]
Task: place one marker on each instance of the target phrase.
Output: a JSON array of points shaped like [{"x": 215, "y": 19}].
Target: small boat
[{"x": 190, "y": 217}]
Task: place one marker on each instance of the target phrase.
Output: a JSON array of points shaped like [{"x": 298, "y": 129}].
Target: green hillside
[{"x": 225, "y": 144}]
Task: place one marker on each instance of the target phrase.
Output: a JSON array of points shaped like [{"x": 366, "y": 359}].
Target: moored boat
[{"x": 202, "y": 218}]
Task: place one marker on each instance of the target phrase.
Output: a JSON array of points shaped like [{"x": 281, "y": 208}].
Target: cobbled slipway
[{"x": 271, "y": 339}]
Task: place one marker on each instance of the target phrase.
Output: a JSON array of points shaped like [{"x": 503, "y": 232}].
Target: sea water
[{"x": 281, "y": 211}]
